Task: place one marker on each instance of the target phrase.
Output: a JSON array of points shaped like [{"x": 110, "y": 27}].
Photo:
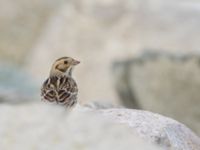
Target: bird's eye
[{"x": 65, "y": 62}]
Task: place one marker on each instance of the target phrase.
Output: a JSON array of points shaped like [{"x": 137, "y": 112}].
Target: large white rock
[
  {"x": 49, "y": 127},
  {"x": 43, "y": 127}
]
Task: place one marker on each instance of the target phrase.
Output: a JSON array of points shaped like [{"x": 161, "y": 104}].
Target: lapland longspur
[{"x": 60, "y": 87}]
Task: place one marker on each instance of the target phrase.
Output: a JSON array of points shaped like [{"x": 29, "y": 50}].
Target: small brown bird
[{"x": 60, "y": 87}]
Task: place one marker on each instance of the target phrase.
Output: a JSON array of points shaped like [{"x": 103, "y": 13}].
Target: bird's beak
[{"x": 75, "y": 62}]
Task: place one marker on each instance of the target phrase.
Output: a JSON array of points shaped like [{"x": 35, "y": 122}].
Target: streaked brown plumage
[{"x": 60, "y": 87}]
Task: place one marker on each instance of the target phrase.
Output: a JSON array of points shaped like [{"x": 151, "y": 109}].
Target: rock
[
  {"x": 165, "y": 132},
  {"x": 166, "y": 83},
  {"x": 45, "y": 127}
]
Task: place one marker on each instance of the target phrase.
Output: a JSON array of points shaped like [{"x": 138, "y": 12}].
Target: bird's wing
[
  {"x": 62, "y": 89},
  {"x": 67, "y": 90},
  {"x": 48, "y": 91}
]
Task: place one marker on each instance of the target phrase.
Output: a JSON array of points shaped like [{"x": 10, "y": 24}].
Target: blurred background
[{"x": 141, "y": 54}]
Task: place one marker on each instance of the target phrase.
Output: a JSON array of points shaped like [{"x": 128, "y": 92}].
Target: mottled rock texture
[{"x": 165, "y": 132}]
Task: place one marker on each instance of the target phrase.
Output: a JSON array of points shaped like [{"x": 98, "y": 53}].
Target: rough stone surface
[
  {"x": 167, "y": 83},
  {"x": 45, "y": 127},
  {"x": 167, "y": 133}
]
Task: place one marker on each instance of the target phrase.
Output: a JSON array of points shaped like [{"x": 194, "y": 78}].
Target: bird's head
[{"x": 63, "y": 65}]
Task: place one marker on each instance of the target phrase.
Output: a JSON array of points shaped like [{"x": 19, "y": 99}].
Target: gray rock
[
  {"x": 165, "y": 132},
  {"x": 167, "y": 83}
]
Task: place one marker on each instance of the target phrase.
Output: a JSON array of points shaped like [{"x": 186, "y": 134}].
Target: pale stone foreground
[
  {"x": 166, "y": 132},
  {"x": 49, "y": 127},
  {"x": 45, "y": 127}
]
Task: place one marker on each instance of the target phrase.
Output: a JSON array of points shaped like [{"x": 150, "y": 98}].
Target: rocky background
[{"x": 140, "y": 54}]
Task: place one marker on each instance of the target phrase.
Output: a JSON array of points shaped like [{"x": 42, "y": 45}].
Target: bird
[{"x": 60, "y": 87}]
